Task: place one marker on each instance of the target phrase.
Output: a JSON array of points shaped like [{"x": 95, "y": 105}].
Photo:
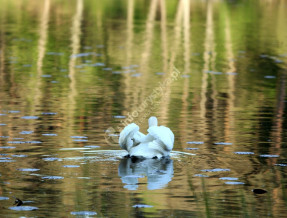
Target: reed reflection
[
  {"x": 43, "y": 38},
  {"x": 159, "y": 172}
]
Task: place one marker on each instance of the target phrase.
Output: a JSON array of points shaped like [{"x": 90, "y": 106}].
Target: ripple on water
[
  {"x": 142, "y": 206},
  {"x": 13, "y": 112},
  {"x": 231, "y": 73},
  {"x": 84, "y": 213},
  {"x": 49, "y": 113},
  {"x": 114, "y": 135},
  {"x": 97, "y": 64},
  {"x": 195, "y": 142},
  {"x": 53, "y": 177},
  {"x": 46, "y": 76},
  {"x": 5, "y": 158},
  {"x": 269, "y": 155},
  {"x": 228, "y": 178},
  {"x": 269, "y": 77},
  {"x": 80, "y": 140},
  {"x": 234, "y": 183},
  {"x": 74, "y": 149},
  {"x": 281, "y": 165},
  {"x": 6, "y": 161},
  {"x": 24, "y": 142},
  {"x": 23, "y": 208},
  {"x": 119, "y": 117},
  {"x": 30, "y": 117},
  {"x": 26, "y": 132},
  {"x": 7, "y": 147},
  {"x": 92, "y": 146},
  {"x": 28, "y": 169},
  {"x": 79, "y": 137},
  {"x": 107, "y": 68},
  {"x": 50, "y": 134},
  {"x": 19, "y": 155},
  {"x": 51, "y": 159},
  {"x": 222, "y": 143},
  {"x": 243, "y": 152},
  {"x": 83, "y": 177},
  {"x": 215, "y": 170},
  {"x": 200, "y": 175},
  {"x": 71, "y": 166}
]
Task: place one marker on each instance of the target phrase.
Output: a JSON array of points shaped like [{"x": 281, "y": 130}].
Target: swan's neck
[{"x": 152, "y": 121}]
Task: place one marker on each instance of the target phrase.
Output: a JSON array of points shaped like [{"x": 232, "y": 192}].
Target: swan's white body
[{"x": 156, "y": 144}]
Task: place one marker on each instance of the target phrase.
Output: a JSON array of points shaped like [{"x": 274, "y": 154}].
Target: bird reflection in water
[
  {"x": 17, "y": 202},
  {"x": 159, "y": 172}
]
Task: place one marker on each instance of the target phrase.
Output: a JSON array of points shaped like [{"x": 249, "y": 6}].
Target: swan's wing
[
  {"x": 171, "y": 136},
  {"x": 138, "y": 136},
  {"x": 163, "y": 135},
  {"x": 126, "y": 135},
  {"x": 130, "y": 136}
]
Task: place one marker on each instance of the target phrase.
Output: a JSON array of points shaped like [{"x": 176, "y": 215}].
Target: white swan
[{"x": 156, "y": 144}]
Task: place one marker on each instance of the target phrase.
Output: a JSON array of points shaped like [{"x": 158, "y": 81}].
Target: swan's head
[{"x": 152, "y": 121}]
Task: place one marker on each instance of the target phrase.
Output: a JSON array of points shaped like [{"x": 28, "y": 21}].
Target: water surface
[{"x": 74, "y": 73}]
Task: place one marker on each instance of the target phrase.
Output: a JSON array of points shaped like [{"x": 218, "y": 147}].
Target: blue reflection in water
[{"x": 158, "y": 172}]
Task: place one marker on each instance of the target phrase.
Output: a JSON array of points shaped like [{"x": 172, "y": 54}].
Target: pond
[{"x": 74, "y": 73}]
